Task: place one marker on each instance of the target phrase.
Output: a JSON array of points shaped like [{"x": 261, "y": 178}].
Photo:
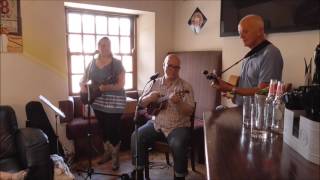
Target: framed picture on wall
[
  {"x": 10, "y": 26},
  {"x": 10, "y": 16},
  {"x": 197, "y": 21}
]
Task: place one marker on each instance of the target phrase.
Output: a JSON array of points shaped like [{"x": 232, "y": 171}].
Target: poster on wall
[
  {"x": 197, "y": 21},
  {"x": 10, "y": 26}
]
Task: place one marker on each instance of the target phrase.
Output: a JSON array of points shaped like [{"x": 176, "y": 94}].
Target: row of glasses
[{"x": 253, "y": 115}]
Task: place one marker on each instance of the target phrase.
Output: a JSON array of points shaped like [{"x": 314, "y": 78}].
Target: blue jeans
[{"x": 178, "y": 140}]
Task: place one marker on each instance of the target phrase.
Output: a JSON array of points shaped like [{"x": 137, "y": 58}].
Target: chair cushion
[
  {"x": 198, "y": 123},
  {"x": 10, "y": 164},
  {"x": 33, "y": 146},
  {"x": 78, "y": 107},
  {"x": 67, "y": 107}
]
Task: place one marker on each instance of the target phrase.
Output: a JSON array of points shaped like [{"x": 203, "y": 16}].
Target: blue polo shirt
[{"x": 259, "y": 68}]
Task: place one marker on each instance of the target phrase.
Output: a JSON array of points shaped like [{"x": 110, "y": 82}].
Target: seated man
[{"x": 172, "y": 123}]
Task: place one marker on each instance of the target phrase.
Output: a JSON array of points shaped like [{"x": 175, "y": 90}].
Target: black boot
[
  {"x": 179, "y": 178},
  {"x": 137, "y": 174}
]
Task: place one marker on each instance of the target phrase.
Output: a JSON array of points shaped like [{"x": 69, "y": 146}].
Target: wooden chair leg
[
  {"x": 192, "y": 160},
  {"x": 168, "y": 159},
  {"x": 146, "y": 166}
]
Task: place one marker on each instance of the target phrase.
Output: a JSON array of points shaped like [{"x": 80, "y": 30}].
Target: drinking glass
[{"x": 246, "y": 111}]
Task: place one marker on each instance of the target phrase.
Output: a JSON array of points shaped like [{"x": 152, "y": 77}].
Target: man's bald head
[
  {"x": 171, "y": 66},
  {"x": 254, "y": 21},
  {"x": 171, "y": 57},
  {"x": 251, "y": 30}
]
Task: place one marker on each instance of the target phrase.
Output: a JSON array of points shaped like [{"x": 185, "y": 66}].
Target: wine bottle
[
  {"x": 316, "y": 75},
  {"x": 278, "y": 110},
  {"x": 268, "y": 104}
]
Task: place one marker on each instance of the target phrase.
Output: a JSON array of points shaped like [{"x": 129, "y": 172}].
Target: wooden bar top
[{"x": 232, "y": 153}]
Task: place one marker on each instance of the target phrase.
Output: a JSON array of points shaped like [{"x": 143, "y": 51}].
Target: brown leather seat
[{"x": 78, "y": 126}]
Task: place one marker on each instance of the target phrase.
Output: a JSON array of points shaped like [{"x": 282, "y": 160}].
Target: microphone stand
[{"x": 135, "y": 120}]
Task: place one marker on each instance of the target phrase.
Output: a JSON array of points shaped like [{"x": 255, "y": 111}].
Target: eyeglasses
[{"x": 173, "y": 67}]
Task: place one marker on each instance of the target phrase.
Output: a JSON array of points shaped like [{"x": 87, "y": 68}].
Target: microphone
[
  {"x": 209, "y": 76},
  {"x": 155, "y": 76},
  {"x": 205, "y": 72},
  {"x": 89, "y": 82},
  {"x": 95, "y": 52}
]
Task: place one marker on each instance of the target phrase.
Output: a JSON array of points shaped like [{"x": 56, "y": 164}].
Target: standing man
[
  {"x": 172, "y": 123},
  {"x": 263, "y": 63}
]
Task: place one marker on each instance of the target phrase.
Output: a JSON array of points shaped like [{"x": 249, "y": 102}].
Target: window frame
[{"x": 133, "y": 41}]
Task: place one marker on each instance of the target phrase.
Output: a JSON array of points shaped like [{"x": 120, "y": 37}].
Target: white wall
[
  {"x": 145, "y": 47},
  {"x": 208, "y": 39},
  {"x": 293, "y": 46}
]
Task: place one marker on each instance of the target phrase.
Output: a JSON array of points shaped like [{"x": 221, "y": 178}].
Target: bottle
[
  {"x": 316, "y": 75},
  {"x": 268, "y": 104},
  {"x": 278, "y": 110}
]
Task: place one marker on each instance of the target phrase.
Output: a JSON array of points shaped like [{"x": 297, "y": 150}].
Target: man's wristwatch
[{"x": 234, "y": 90}]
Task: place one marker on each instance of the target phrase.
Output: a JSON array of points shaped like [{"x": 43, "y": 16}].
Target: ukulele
[
  {"x": 233, "y": 81},
  {"x": 155, "y": 107},
  {"x": 94, "y": 93}
]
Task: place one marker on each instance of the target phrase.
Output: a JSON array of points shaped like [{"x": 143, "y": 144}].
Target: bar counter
[{"x": 232, "y": 153}]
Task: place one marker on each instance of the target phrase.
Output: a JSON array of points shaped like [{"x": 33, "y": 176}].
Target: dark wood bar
[{"x": 232, "y": 153}]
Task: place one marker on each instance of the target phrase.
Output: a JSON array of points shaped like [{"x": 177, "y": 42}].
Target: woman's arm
[{"x": 119, "y": 85}]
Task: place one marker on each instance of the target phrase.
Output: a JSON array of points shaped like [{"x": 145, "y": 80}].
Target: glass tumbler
[
  {"x": 246, "y": 111},
  {"x": 260, "y": 102}
]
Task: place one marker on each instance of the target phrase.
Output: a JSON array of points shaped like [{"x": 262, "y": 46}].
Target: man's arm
[
  {"x": 149, "y": 98},
  {"x": 225, "y": 87},
  {"x": 185, "y": 108}
]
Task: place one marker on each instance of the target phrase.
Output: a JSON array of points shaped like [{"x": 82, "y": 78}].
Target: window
[{"x": 85, "y": 28}]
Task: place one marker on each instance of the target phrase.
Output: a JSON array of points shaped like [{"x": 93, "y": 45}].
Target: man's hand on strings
[
  {"x": 221, "y": 85},
  {"x": 153, "y": 96},
  {"x": 175, "y": 98}
]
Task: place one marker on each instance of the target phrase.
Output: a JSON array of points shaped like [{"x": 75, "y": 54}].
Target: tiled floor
[{"x": 159, "y": 170}]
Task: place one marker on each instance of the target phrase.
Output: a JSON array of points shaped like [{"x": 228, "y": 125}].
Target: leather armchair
[
  {"x": 25, "y": 148},
  {"x": 77, "y": 126}
]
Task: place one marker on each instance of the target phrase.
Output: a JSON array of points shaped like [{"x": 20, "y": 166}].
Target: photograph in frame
[
  {"x": 197, "y": 21},
  {"x": 10, "y": 26}
]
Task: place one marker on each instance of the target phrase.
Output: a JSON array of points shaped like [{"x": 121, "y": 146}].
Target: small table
[{"x": 231, "y": 152}]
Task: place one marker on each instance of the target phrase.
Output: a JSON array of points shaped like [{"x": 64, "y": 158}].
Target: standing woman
[{"x": 109, "y": 73}]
